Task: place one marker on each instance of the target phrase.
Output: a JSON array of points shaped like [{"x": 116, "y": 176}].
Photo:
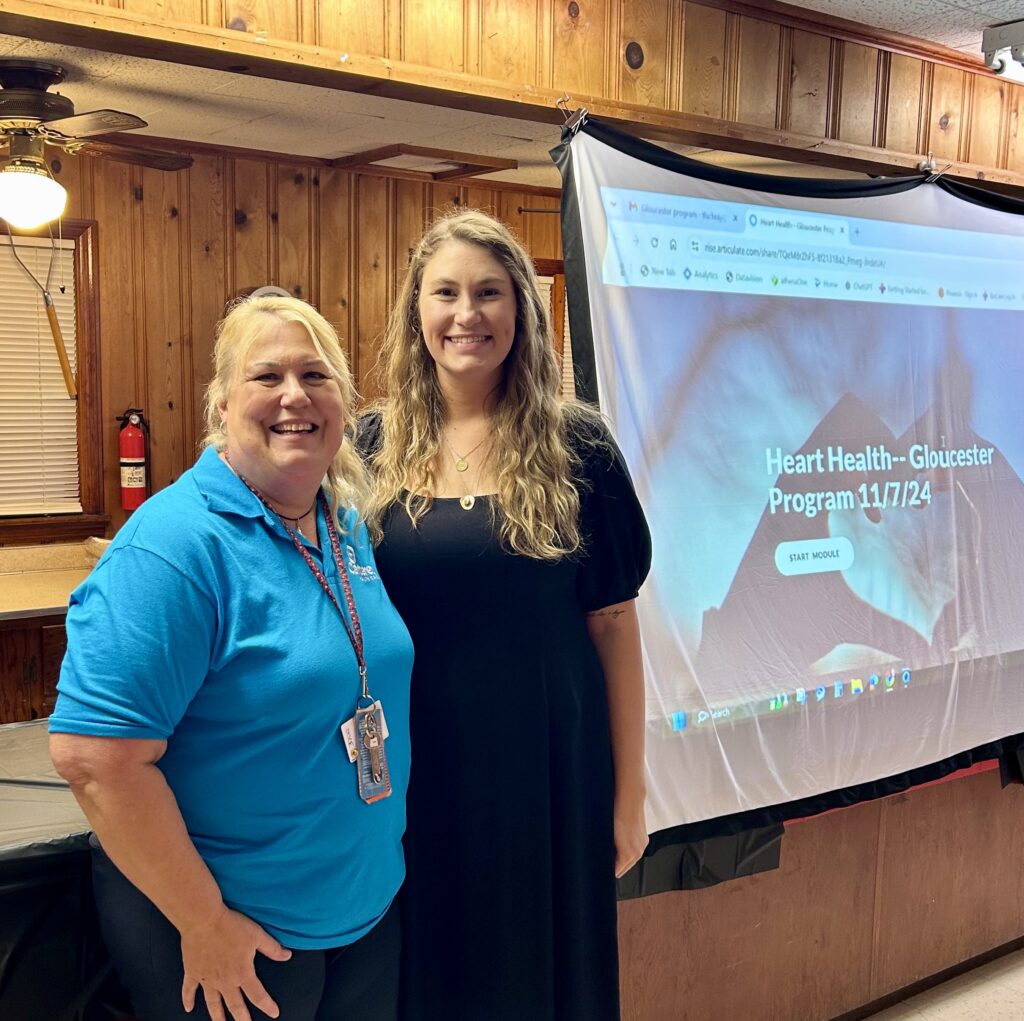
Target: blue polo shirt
[{"x": 202, "y": 625}]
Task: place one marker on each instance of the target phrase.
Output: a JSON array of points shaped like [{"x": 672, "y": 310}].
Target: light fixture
[
  {"x": 29, "y": 196},
  {"x": 1003, "y": 45}
]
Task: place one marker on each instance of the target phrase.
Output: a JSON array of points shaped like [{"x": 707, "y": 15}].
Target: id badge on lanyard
[
  {"x": 372, "y": 764},
  {"x": 364, "y": 736},
  {"x": 368, "y": 729}
]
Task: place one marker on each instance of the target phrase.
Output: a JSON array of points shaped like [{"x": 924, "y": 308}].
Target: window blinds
[
  {"x": 38, "y": 422},
  {"x": 568, "y": 380},
  {"x": 546, "y": 287}
]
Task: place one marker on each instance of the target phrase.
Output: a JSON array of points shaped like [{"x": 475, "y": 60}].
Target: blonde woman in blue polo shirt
[{"x": 221, "y": 706}]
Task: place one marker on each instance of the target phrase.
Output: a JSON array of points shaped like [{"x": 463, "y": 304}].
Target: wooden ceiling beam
[
  {"x": 471, "y": 164},
  {"x": 116, "y": 31}
]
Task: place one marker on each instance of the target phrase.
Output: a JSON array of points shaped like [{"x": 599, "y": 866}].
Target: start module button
[{"x": 814, "y": 556}]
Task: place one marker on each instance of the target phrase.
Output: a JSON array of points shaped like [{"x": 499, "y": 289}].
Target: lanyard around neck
[{"x": 353, "y": 630}]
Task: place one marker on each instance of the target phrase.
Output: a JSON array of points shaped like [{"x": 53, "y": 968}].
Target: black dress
[{"x": 509, "y": 909}]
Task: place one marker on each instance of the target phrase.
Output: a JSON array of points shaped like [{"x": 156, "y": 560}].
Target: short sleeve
[
  {"x": 617, "y": 542},
  {"x": 140, "y": 636}
]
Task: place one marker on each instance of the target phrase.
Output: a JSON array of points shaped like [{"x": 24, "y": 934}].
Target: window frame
[
  {"x": 555, "y": 268},
  {"x": 93, "y": 519}
]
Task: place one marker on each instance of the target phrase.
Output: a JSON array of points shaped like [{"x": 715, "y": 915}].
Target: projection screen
[{"x": 819, "y": 399}]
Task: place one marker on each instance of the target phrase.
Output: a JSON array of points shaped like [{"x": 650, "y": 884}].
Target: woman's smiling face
[
  {"x": 283, "y": 415},
  {"x": 467, "y": 308}
]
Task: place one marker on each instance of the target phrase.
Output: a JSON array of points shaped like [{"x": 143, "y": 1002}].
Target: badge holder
[{"x": 371, "y": 761}]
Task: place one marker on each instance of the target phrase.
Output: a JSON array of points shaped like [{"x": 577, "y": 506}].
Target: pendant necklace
[
  {"x": 462, "y": 460},
  {"x": 468, "y": 501},
  {"x": 266, "y": 503},
  {"x": 284, "y": 517}
]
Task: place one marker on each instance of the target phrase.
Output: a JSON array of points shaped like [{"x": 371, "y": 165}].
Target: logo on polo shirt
[{"x": 366, "y": 573}]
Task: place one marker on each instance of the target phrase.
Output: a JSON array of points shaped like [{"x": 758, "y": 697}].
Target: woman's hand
[
  {"x": 615, "y": 632},
  {"x": 630, "y": 834},
  {"x": 133, "y": 812},
  {"x": 221, "y": 958}
]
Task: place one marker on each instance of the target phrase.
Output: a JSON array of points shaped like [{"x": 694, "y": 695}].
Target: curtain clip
[
  {"x": 574, "y": 119},
  {"x": 928, "y": 166}
]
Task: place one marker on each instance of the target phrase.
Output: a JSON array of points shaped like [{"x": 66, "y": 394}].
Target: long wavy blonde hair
[
  {"x": 247, "y": 322},
  {"x": 538, "y": 473}
]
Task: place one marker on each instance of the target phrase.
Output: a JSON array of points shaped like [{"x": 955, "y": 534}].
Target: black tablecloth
[{"x": 53, "y": 966}]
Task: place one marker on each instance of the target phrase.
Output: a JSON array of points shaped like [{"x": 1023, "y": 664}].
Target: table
[{"x": 53, "y": 965}]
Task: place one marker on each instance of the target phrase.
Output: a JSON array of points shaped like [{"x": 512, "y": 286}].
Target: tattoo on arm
[{"x": 614, "y": 613}]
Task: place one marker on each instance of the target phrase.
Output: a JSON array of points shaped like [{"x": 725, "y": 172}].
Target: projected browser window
[
  {"x": 819, "y": 401},
  {"x": 687, "y": 243}
]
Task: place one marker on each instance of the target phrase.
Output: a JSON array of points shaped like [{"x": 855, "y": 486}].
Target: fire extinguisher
[{"x": 131, "y": 446}]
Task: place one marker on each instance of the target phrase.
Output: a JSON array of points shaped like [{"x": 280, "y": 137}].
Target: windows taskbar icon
[
  {"x": 681, "y": 720},
  {"x": 839, "y": 688}
]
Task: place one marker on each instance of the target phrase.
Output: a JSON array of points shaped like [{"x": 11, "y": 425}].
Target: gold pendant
[
  {"x": 461, "y": 464},
  {"x": 466, "y": 502}
]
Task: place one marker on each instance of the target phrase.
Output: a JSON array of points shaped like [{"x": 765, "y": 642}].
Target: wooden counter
[
  {"x": 36, "y": 583},
  {"x": 26, "y": 594}
]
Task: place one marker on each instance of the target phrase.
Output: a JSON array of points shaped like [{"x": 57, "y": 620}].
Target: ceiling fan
[{"x": 32, "y": 117}]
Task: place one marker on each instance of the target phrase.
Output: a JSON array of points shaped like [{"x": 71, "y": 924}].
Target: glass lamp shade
[{"x": 29, "y": 197}]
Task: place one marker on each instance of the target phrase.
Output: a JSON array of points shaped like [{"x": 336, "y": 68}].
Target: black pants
[{"x": 356, "y": 981}]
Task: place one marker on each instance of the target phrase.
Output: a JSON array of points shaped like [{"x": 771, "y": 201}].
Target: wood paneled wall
[
  {"x": 174, "y": 248},
  {"x": 867, "y": 901},
  {"x": 746, "y": 67}
]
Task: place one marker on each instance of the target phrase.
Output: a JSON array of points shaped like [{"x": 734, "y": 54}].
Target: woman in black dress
[{"x": 512, "y": 544}]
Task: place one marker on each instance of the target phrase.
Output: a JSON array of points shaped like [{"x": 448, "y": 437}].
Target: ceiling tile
[
  {"x": 957, "y": 24},
  {"x": 522, "y": 129},
  {"x": 893, "y": 15},
  {"x": 377, "y": 132},
  {"x": 533, "y": 176},
  {"x": 11, "y": 46},
  {"x": 994, "y": 12},
  {"x": 331, "y": 101},
  {"x": 266, "y": 130}
]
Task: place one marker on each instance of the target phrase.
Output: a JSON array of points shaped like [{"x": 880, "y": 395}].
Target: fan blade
[
  {"x": 154, "y": 158},
  {"x": 95, "y": 122}
]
